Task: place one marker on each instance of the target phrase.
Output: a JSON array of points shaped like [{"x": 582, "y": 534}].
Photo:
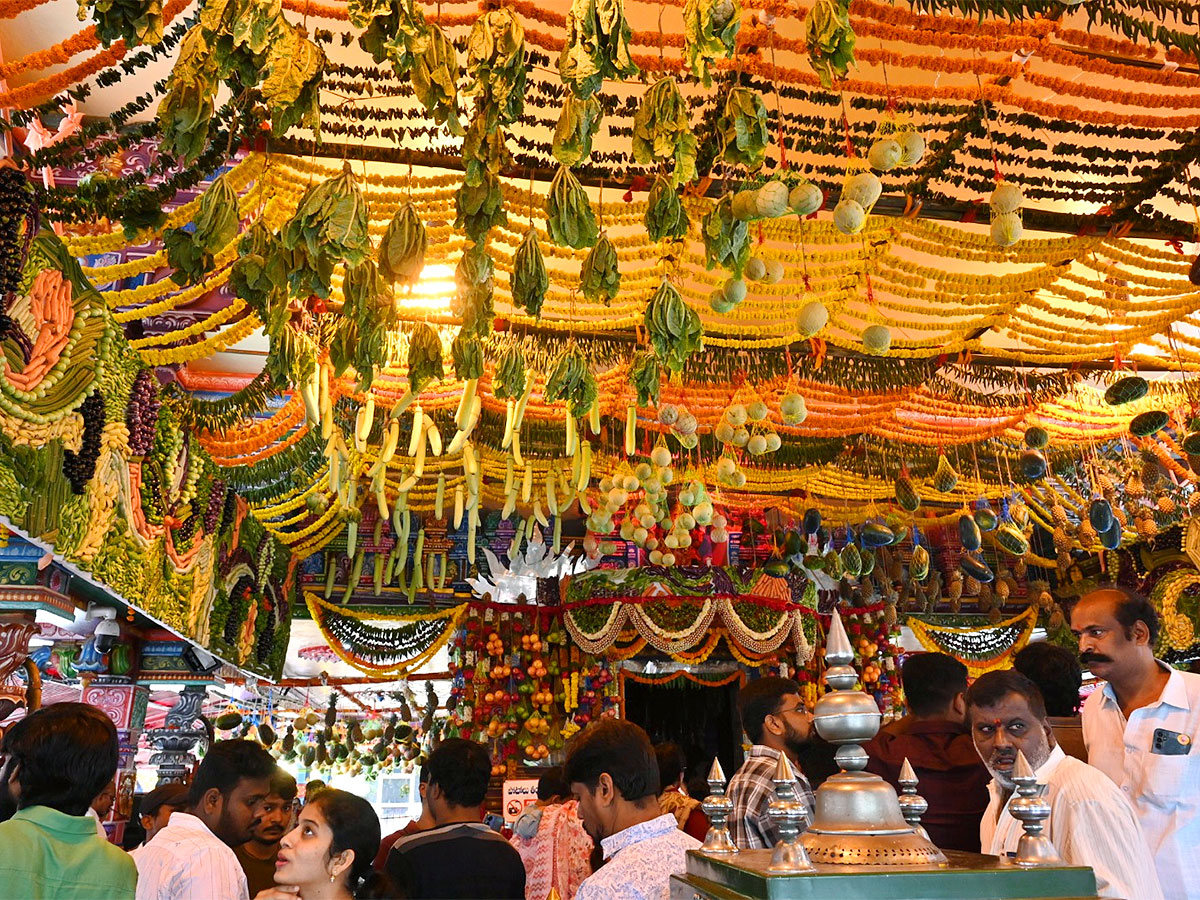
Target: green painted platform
[{"x": 965, "y": 876}]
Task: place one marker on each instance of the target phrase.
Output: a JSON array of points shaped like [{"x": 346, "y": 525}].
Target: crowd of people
[{"x": 618, "y": 820}]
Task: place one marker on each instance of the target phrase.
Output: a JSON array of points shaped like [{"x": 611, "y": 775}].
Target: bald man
[{"x": 1141, "y": 729}]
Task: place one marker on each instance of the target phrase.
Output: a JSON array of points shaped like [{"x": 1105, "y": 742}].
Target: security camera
[{"x": 108, "y": 632}]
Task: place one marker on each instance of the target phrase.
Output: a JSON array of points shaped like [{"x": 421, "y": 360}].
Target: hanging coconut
[
  {"x": 864, "y": 188},
  {"x": 1126, "y": 390},
  {"x": 805, "y": 199},
  {"x": 756, "y": 269},
  {"x": 771, "y": 200},
  {"x": 745, "y": 205},
  {"x": 1032, "y": 465},
  {"x": 913, "y": 145},
  {"x": 906, "y": 494},
  {"x": 775, "y": 272},
  {"x": 813, "y": 317},
  {"x": 944, "y": 478},
  {"x": 1036, "y": 437},
  {"x": 885, "y": 154},
  {"x": 877, "y": 339},
  {"x": 968, "y": 533},
  {"x": 1006, "y": 229},
  {"x": 1006, "y": 198},
  {"x": 774, "y": 442},
  {"x": 1148, "y": 423},
  {"x": 792, "y": 409},
  {"x": 849, "y": 217}
]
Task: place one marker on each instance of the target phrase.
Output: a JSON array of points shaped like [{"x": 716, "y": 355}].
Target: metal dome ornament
[{"x": 858, "y": 818}]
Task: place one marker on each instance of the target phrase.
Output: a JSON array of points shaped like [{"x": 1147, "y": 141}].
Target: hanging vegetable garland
[
  {"x": 190, "y": 253},
  {"x": 661, "y": 132},
  {"x": 674, "y": 328},
  {"x": 710, "y": 33},
  {"x": 597, "y": 46}
]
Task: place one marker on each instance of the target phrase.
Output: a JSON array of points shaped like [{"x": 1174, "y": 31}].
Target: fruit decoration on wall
[{"x": 94, "y": 464}]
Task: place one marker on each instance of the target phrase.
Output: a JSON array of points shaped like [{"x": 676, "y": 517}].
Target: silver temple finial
[
  {"x": 1032, "y": 810},
  {"x": 717, "y": 807}
]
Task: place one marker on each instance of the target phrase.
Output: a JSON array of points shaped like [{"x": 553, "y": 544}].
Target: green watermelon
[
  {"x": 1036, "y": 437},
  {"x": 1148, "y": 423},
  {"x": 1127, "y": 390}
]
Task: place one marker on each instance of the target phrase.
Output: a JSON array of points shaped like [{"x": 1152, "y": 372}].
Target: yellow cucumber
[
  {"x": 570, "y": 434},
  {"x": 527, "y": 483},
  {"x": 390, "y": 440},
  {"x": 551, "y": 496},
  {"x": 594, "y": 417},
  {"x": 516, "y": 449},
  {"x": 585, "y": 468},
  {"x": 440, "y": 497},
  {"x": 509, "y": 473},
  {"x": 510, "y": 412},
  {"x": 630, "y": 429},
  {"x": 402, "y": 404},
  {"x": 458, "y": 505},
  {"x": 417, "y": 433},
  {"x": 435, "y": 439},
  {"x": 465, "y": 402},
  {"x": 539, "y": 515}
]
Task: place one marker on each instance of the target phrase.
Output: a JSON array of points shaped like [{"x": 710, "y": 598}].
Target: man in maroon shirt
[{"x": 934, "y": 738}]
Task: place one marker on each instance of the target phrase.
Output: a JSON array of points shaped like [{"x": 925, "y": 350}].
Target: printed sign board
[{"x": 517, "y": 794}]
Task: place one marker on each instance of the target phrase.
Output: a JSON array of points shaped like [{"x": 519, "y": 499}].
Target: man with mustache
[
  {"x": 1141, "y": 729},
  {"x": 777, "y": 722},
  {"x": 257, "y": 855},
  {"x": 1091, "y": 823}
]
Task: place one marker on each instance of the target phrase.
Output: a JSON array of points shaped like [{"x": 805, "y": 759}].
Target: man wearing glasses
[{"x": 776, "y": 721}]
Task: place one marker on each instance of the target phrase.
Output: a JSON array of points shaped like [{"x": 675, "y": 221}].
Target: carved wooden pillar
[{"x": 15, "y": 632}]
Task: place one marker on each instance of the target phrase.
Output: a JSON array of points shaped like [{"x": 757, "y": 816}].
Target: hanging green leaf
[
  {"x": 393, "y": 30},
  {"x": 402, "y": 250},
  {"x": 185, "y": 113},
  {"x": 496, "y": 66},
  {"x": 726, "y": 238},
  {"x": 367, "y": 305},
  {"x": 577, "y": 125},
  {"x": 424, "y": 356},
  {"x": 479, "y": 207},
  {"x": 599, "y": 277},
  {"x": 665, "y": 215},
  {"x": 529, "y": 279},
  {"x": 569, "y": 218},
  {"x": 662, "y": 132},
  {"x": 509, "y": 380},
  {"x": 830, "y": 39},
  {"x": 597, "y": 46},
  {"x": 292, "y": 81},
  {"x": 571, "y": 379},
  {"x": 673, "y": 326},
  {"x": 133, "y": 21},
  {"x": 329, "y": 226},
  {"x": 473, "y": 300},
  {"x": 467, "y": 353},
  {"x": 743, "y": 127},
  {"x": 646, "y": 374},
  {"x": 259, "y": 276},
  {"x": 191, "y": 253},
  {"x": 710, "y": 29},
  {"x": 435, "y": 79}
]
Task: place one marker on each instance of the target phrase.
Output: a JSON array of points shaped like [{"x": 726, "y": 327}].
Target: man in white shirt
[
  {"x": 1141, "y": 729},
  {"x": 613, "y": 773},
  {"x": 1091, "y": 823},
  {"x": 102, "y": 805},
  {"x": 192, "y": 859}
]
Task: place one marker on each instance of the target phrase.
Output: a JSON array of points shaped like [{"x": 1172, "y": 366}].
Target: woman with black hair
[{"x": 328, "y": 855}]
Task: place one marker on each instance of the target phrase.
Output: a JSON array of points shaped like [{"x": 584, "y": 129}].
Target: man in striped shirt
[{"x": 776, "y": 721}]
